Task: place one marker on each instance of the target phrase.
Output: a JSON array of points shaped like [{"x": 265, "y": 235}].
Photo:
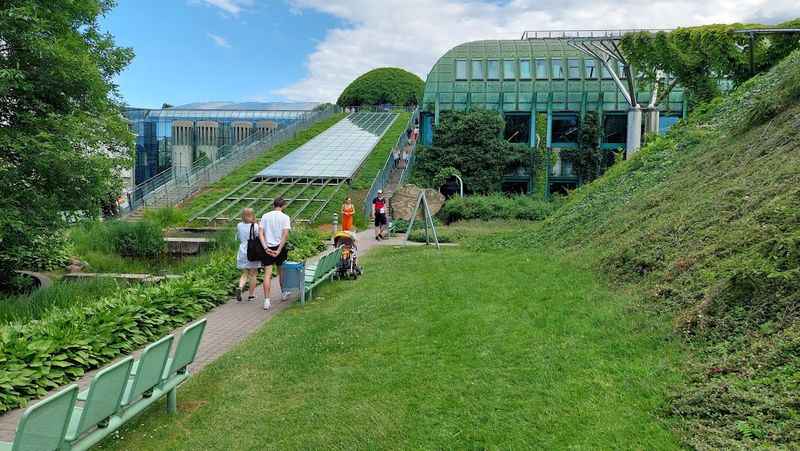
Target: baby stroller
[{"x": 347, "y": 267}]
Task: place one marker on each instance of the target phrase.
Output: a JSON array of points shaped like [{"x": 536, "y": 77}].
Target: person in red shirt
[{"x": 379, "y": 213}]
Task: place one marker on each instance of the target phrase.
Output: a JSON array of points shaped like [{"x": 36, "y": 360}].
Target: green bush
[
  {"x": 386, "y": 85},
  {"x": 136, "y": 239},
  {"x": 166, "y": 216},
  {"x": 495, "y": 206},
  {"x": 65, "y": 343},
  {"x": 305, "y": 242}
]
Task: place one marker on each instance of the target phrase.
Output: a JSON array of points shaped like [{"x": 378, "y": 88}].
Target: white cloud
[
  {"x": 232, "y": 7},
  {"x": 219, "y": 40},
  {"x": 413, "y": 34}
]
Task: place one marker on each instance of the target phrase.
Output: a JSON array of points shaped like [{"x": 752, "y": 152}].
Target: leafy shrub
[
  {"x": 495, "y": 206},
  {"x": 65, "y": 343},
  {"x": 305, "y": 242},
  {"x": 387, "y": 85},
  {"x": 136, "y": 239},
  {"x": 166, "y": 216}
]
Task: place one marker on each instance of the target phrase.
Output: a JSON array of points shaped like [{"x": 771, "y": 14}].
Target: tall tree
[{"x": 62, "y": 136}]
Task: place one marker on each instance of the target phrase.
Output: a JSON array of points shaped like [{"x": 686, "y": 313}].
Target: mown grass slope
[
  {"x": 705, "y": 224},
  {"x": 448, "y": 349}
]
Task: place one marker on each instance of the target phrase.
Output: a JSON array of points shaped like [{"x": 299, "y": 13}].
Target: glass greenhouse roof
[
  {"x": 172, "y": 113},
  {"x": 337, "y": 152}
]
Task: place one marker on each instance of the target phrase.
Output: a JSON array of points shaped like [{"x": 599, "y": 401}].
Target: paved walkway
[{"x": 228, "y": 324}]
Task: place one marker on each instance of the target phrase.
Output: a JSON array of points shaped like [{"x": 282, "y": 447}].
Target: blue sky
[
  {"x": 309, "y": 50},
  {"x": 190, "y": 51}
]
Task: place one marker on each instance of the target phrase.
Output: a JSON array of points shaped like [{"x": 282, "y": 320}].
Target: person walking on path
[
  {"x": 274, "y": 233},
  {"x": 379, "y": 213},
  {"x": 347, "y": 215},
  {"x": 396, "y": 157},
  {"x": 406, "y": 157},
  {"x": 246, "y": 230}
]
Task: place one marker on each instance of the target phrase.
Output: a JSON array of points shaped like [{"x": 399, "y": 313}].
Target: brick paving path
[{"x": 228, "y": 324}]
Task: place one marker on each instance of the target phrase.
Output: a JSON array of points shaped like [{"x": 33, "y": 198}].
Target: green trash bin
[{"x": 293, "y": 278}]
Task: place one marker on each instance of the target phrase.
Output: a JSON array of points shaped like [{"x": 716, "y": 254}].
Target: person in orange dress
[{"x": 347, "y": 214}]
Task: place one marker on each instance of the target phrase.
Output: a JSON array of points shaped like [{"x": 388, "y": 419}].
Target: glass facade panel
[
  {"x": 591, "y": 68},
  {"x": 493, "y": 70},
  {"x": 541, "y": 69},
  {"x": 525, "y": 69},
  {"x": 574, "y": 68},
  {"x": 615, "y": 128},
  {"x": 605, "y": 72},
  {"x": 558, "y": 69},
  {"x": 621, "y": 70},
  {"x": 461, "y": 69},
  {"x": 508, "y": 70},
  {"x": 477, "y": 70},
  {"x": 565, "y": 128}
]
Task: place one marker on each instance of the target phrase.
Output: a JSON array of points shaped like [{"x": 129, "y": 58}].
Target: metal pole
[
  {"x": 335, "y": 222},
  {"x": 460, "y": 185},
  {"x": 752, "y": 58}
]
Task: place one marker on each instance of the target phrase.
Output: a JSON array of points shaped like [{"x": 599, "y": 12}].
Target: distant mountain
[{"x": 255, "y": 106}]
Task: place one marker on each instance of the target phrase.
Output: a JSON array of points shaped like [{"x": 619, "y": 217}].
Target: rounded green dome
[{"x": 387, "y": 85}]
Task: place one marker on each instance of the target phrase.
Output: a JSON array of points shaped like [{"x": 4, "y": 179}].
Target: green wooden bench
[
  {"x": 320, "y": 272},
  {"x": 70, "y": 420}
]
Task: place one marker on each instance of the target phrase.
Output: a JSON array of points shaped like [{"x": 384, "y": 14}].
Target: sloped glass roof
[{"x": 337, "y": 152}]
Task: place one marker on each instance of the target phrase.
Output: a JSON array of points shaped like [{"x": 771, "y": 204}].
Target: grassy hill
[{"x": 704, "y": 224}]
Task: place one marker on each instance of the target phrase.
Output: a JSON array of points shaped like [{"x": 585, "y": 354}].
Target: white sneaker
[
  {"x": 285, "y": 295},
  {"x": 267, "y": 305}
]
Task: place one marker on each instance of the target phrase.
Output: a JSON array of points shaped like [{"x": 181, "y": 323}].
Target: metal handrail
[
  {"x": 385, "y": 173},
  {"x": 173, "y": 187},
  {"x": 564, "y": 34}
]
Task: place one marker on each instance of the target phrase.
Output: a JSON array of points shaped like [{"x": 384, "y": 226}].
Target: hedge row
[
  {"x": 496, "y": 206},
  {"x": 59, "y": 348}
]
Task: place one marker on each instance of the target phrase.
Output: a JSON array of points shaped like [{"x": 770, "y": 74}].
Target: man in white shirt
[{"x": 273, "y": 234}]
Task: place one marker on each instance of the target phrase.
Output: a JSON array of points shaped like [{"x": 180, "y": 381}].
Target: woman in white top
[{"x": 244, "y": 231}]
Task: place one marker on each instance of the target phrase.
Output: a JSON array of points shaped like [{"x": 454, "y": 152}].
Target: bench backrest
[
  {"x": 105, "y": 394},
  {"x": 151, "y": 367},
  {"x": 44, "y": 425},
  {"x": 187, "y": 347}
]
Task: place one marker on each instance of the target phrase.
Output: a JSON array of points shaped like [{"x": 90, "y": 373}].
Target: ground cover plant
[
  {"x": 505, "y": 350},
  {"x": 703, "y": 224},
  {"x": 496, "y": 206},
  {"x": 65, "y": 342},
  {"x": 245, "y": 172},
  {"x": 28, "y": 307}
]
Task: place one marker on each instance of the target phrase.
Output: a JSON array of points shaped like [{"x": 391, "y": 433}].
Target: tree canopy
[
  {"x": 699, "y": 57},
  {"x": 388, "y": 85},
  {"x": 471, "y": 143},
  {"x": 62, "y": 137}
]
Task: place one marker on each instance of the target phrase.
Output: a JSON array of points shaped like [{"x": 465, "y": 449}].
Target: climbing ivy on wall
[
  {"x": 698, "y": 57},
  {"x": 588, "y": 160}
]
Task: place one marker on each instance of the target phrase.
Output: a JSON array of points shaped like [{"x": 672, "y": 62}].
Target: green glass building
[{"x": 544, "y": 77}]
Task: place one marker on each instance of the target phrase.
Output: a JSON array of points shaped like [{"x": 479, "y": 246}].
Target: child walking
[{"x": 246, "y": 230}]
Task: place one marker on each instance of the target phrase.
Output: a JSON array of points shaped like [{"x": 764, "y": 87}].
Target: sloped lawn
[{"x": 431, "y": 350}]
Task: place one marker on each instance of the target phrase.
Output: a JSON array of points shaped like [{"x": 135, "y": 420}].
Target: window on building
[
  {"x": 558, "y": 69},
  {"x": 565, "y": 128},
  {"x": 541, "y": 69},
  {"x": 461, "y": 69},
  {"x": 508, "y": 70},
  {"x": 615, "y": 128},
  {"x": 493, "y": 70},
  {"x": 574, "y": 68},
  {"x": 518, "y": 128},
  {"x": 525, "y": 69},
  {"x": 477, "y": 70},
  {"x": 621, "y": 70},
  {"x": 591, "y": 68}
]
